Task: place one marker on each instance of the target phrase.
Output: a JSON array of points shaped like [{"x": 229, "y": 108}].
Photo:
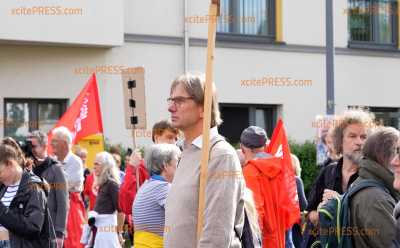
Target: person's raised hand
[{"x": 135, "y": 158}]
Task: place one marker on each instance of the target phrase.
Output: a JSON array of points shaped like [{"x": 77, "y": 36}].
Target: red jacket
[
  {"x": 128, "y": 189},
  {"x": 88, "y": 191},
  {"x": 264, "y": 178}
]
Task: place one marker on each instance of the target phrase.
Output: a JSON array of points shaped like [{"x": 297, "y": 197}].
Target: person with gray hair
[
  {"x": 61, "y": 143},
  {"x": 148, "y": 209},
  {"x": 106, "y": 209},
  {"x": 51, "y": 171},
  {"x": 371, "y": 208}
]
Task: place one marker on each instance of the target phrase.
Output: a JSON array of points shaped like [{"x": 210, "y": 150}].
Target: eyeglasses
[{"x": 178, "y": 101}]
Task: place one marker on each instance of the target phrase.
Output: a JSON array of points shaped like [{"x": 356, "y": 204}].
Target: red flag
[
  {"x": 83, "y": 117},
  {"x": 279, "y": 147}
]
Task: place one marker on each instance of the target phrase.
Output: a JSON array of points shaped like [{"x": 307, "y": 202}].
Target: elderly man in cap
[
  {"x": 262, "y": 173},
  {"x": 252, "y": 142}
]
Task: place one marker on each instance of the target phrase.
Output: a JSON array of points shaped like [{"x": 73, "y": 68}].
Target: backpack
[
  {"x": 334, "y": 217},
  {"x": 246, "y": 239}
]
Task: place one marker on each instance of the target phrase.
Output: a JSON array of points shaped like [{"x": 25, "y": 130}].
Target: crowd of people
[{"x": 151, "y": 200}]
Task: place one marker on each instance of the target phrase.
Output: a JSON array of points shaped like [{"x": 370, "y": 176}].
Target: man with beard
[{"x": 349, "y": 135}]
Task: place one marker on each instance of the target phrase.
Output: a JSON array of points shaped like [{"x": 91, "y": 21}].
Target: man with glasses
[
  {"x": 51, "y": 171},
  {"x": 224, "y": 205}
]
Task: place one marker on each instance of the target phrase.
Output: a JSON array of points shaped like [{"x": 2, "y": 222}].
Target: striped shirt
[
  {"x": 8, "y": 196},
  {"x": 148, "y": 209}
]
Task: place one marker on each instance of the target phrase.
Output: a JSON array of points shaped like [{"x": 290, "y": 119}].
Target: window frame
[
  {"x": 374, "y": 45},
  {"x": 33, "y": 103},
  {"x": 251, "y": 38},
  {"x": 251, "y": 108}
]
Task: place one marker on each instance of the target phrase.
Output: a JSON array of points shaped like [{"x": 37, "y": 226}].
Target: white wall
[
  {"x": 304, "y": 22},
  {"x": 100, "y": 22},
  {"x": 49, "y": 72}
]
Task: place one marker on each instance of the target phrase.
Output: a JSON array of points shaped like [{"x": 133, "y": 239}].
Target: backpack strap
[
  {"x": 219, "y": 139},
  {"x": 346, "y": 202},
  {"x": 365, "y": 183}
]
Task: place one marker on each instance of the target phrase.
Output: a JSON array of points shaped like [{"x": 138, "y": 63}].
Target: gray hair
[
  {"x": 110, "y": 169},
  {"x": 381, "y": 145},
  {"x": 40, "y": 136},
  {"x": 160, "y": 155},
  {"x": 194, "y": 86},
  {"x": 63, "y": 133}
]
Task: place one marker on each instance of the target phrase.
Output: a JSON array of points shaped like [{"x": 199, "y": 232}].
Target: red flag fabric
[
  {"x": 75, "y": 221},
  {"x": 264, "y": 177},
  {"x": 83, "y": 117},
  {"x": 279, "y": 147}
]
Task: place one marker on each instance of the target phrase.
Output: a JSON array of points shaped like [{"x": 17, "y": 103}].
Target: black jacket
[
  {"x": 57, "y": 198},
  {"x": 28, "y": 219},
  {"x": 330, "y": 177}
]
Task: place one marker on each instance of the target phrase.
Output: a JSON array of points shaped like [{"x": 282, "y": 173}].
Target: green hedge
[{"x": 306, "y": 152}]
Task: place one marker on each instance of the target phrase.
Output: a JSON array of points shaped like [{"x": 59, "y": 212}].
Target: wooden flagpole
[{"x": 205, "y": 153}]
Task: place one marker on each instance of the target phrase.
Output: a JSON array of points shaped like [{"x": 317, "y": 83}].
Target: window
[
  {"x": 387, "y": 116},
  {"x": 373, "y": 23},
  {"x": 244, "y": 115},
  {"x": 25, "y": 115},
  {"x": 383, "y": 116},
  {"x": 247, "y": 17}
]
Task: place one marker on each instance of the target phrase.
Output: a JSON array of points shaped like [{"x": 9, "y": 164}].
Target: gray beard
[{"x": 354, "y": 157}]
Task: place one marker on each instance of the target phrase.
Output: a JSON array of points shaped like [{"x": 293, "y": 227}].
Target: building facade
[{"x": 269, "y": 63}]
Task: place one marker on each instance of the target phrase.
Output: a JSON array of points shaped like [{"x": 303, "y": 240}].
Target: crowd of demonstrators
[
  {"x": 149, "y": 206},
  {"x": 349, "y": 136},
  {"x": 224, "y": 200},
  {"x": 371, "y": 209},
  {"x": 50, "y": 170},
  {"x": 61, "y": 144},
  {"x": 41, "y": 203},
  {"x": 104, "y": 219},
  {"x": 25, "y": 219}
]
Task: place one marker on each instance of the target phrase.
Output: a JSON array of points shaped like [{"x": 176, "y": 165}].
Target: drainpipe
[{"x": 186, "y": 36}]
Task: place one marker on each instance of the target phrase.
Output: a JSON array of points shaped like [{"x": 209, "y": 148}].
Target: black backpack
[{"x": 246, "y": 239}]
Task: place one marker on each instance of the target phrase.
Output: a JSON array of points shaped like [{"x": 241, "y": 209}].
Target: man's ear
[
  {"x": 8, "y": 163},
  {"x": 201, "y": 110}
]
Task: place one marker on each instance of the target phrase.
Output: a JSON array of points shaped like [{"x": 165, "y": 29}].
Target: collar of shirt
[
  {"x": 67, "y": 158},
  {"x": 198, "y": 142}
]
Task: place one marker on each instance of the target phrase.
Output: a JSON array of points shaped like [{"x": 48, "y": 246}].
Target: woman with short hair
[{"x": 149, "y": 206}]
